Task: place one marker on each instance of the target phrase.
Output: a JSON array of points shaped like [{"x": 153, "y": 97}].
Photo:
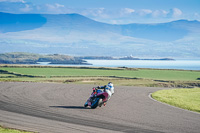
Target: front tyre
[
  {"x": 95, "y": 103},
  {"x": 86, "y": 104}
]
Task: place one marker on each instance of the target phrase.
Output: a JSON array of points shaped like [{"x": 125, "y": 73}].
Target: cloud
[
  {"x": 55, "y": 8},
  {"x": 176, "y": 12},
  {"x": 159, "y": 13},
  {"x": 129, "y": 15},
  {"x": 197, "y": 15},
  {"x": 95, "y": 12},
  {"x": 144, "y": 12},
  {"x": 59, "y": 5},
  {"x": 14, "y": 6},
  {"x": 22, "y": 1},
  {"x": 127, "y": 11},
  {"x": 107, "y": 15},
  {"x": 27, "y": 8}
]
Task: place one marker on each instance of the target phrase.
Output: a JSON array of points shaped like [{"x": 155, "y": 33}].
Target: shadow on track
[{"x": 69, "y": 107}]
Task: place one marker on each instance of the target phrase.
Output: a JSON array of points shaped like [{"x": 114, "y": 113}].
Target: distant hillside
[
  {"x": 28, "y": 58},
  {"x": 75, "y": 34},
  {"x": 20, "y": 22}
]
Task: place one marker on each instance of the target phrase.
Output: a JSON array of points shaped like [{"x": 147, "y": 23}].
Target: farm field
[{"x": 92, "y": 75}]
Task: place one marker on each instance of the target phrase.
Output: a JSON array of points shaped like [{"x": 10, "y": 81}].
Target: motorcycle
[{"x": 97, "y": 98}]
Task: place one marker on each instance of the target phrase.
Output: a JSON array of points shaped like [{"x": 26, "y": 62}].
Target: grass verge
[
  {"x": 183, "y": 98},
  {"x": 8, "y": 130}
]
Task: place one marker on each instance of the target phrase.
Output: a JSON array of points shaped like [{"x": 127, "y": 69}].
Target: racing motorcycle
[{"x": 97, "y": 98}]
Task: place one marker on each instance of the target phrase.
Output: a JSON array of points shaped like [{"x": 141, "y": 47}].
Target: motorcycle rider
[{"x": 109, "y": 88}]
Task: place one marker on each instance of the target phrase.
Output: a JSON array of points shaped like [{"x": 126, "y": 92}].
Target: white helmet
[
  {"x": 111, "y": 87},
  {"x": 110, "y": 84}
]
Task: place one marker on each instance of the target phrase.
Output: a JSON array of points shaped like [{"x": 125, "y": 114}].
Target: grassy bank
[
  {"x": 184, "y": 98},
  {"x": 7, "y": 130},
  {"x": 120, "y": 76}
]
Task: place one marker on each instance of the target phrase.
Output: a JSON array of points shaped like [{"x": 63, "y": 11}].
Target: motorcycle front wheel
[
  {"x": 86, "y": 104},
  {"x": 95, "y": 103}
]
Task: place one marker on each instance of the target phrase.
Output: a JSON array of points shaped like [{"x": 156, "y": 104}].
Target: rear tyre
[
  {"x": 100, "y": 102},
  {"x": 95, "y": 103}
]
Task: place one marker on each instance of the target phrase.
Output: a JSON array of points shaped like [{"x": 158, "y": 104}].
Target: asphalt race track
[{"x": 58, "y": 108}]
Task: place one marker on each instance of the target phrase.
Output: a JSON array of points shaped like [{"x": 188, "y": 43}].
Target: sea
[{"x": 157, "y": 64}]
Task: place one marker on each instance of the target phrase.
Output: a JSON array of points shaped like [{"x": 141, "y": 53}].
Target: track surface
[{"x": 58, "y": 108}]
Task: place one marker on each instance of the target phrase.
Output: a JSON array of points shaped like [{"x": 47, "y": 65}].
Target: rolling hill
[{"x": 75, "y": 34}]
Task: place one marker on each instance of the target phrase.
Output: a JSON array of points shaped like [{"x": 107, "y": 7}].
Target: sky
[{"x": 110, "y": 11}]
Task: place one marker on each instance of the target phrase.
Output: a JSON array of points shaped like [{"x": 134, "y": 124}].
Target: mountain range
[{"x": 74, "y": 34}]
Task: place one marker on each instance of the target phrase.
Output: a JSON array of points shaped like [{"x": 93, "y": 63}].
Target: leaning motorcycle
[{"x": 97, "y": 98}]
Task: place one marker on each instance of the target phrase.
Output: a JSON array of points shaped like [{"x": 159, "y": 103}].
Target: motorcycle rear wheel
[{"x": 100, "y": 102}]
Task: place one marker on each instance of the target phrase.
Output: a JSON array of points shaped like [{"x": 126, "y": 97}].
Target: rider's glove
[{"x": 94, "y": 89}]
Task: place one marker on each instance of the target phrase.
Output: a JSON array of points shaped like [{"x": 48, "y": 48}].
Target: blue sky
[{"x": 111, "y": 11}]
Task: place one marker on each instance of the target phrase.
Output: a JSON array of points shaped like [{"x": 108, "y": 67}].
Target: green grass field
[
  {"x": 91, "y": 75},
  {"x": 184, "y": 98},
  {"x": 136, "y": 73}
]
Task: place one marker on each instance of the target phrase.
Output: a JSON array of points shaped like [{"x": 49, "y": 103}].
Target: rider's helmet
[{"x": 110, "y": 85}]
